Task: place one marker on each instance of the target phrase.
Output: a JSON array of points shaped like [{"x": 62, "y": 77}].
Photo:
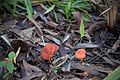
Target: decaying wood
[{"x": 112, "y": 13}]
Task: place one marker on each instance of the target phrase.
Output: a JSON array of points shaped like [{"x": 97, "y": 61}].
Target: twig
[{"x": 17, "y": 53}]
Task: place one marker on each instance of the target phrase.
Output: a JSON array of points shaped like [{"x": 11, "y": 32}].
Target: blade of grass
[
  {"x": 14, "y": 3},
  {"x": 82, "y": 30},
  {"x": 56, "y": 17},
  {"x": 49, "y": 9},
  {"x": 29, "y": 9},
  {"x": 9, "y": 8},
  {"x": 115, "y": 75},
  {"x": 67, "y": 9}
]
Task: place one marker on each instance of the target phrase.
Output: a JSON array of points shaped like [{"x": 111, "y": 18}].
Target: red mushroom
[
  {"x": 48, "y": 51},
  {"x": 80, "y": 54}
]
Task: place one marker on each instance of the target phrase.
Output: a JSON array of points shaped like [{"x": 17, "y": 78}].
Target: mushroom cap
[
  {"x": 48, "y": 51},
  {"x": 80, "y": 54}
]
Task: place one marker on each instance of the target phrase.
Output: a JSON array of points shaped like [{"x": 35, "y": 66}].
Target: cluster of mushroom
[{"x": 49, "y": 49}]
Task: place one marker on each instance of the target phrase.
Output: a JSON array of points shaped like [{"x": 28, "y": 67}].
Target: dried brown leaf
[
  {"x": 116, "y": 45},
  {"x": 66, "y": 37},
  {"x": 51, "y": 32},
  {"x": 57, "y": 41},
  {"x": 33, "y": 75},
  {"x": 77, "y": 17},
  {"x": 86, "y": 45},
  {"x": 52, "y": 24},
  {"x": 6, "y": 39},
  {"x": 38, "y": 28},
  {"x": 108, "y": 61},
  {"x": 27, "y": 68}
]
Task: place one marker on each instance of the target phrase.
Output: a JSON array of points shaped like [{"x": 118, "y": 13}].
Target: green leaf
[
  {"x": 29, "y": 9},
  {"x": 50, "y": 9},
  {"x": 115, "y": 75},
  {"x": 14, "y": 3},
  {"x": 10, "y": 67},
  {"x": 11, "y": 55},
  {"x": 9, "y": 8},
  {"x": 2, "y": 64},
  {"x": 82, "y": 30},
  {"x": 6, "y": 75},
  {"x": 80, "y": 4},
  {"x": 85, "y": 17},
  {"x": 67, "y": 9}
]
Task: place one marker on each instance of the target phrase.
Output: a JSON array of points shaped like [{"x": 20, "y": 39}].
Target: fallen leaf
[
  {"x": 62, "y": 50},
  {"x": 50, "y": 32},
  {"x": 60, "y": 61},
  {"x": 33, "y": 75},
  {"x": 83, "y": 74},
  {"x": 57, "y": 41},
  {"x": 108, "y": 61},
  {"x": 52, "y": 24},
  {"x": 86, "y": 45},
  {"x": 116, "y": 45},
  {"x": 25, "y": 34},
  {"x": 67, "y": 36},
  {"x": 77, "y": 17},
  {"x": 39, "y": 14},
  {"x": 5, "y": 38},
  {"x": 92, "y": 69},
  {"x": 74, "y": 79},
  {"x": 38, "y": 27},
  {"x": 30, "y": 69},
  {"x": 27, "y": 68},
  {"x": 67, "y": 68}
]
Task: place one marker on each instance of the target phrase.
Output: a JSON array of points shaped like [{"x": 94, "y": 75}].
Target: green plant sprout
[
  {"x": 29, "y": 9},
  {"x": 9, "y": 63},
  {"x": 82, "y": 29},
  {"x": 68, "y": 6}
]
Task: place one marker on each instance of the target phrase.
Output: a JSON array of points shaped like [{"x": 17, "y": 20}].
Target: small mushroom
[
  {"x": 80, "y": 54},
  {"x": 48, "y": 51}
]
